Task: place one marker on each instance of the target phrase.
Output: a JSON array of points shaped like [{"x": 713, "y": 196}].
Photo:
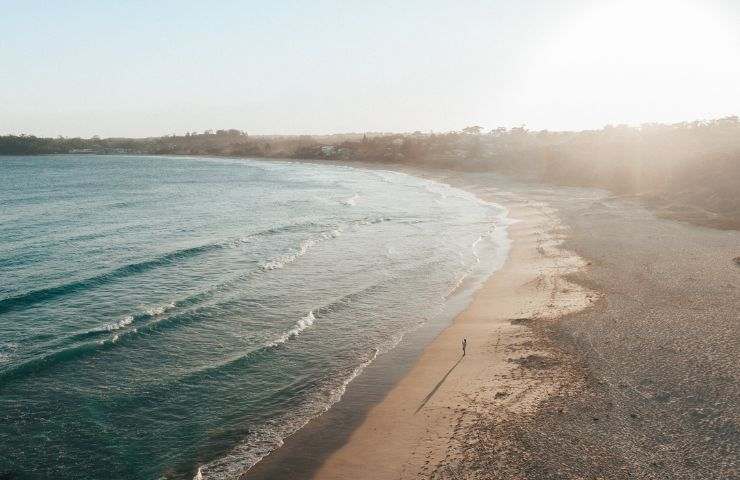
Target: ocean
[{"x": 178, "y": 317}]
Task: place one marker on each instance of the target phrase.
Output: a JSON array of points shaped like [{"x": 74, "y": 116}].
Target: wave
[
  {"x": 125, "y": 321},
  {"x": 248, "y": 356},
  {"x": 44, "y": 362},
  {"x": 346, "y": 301},
  {"x": 302, "y": 249},
  {"x": 41, "y": 295},
  {"x": 293, "y": 227},
  {"x": 159, "y": 310},
  {"x": 286, "y": 259},
  {"x": 302, "y": 324},
  {"x": 128, "y": 320}
]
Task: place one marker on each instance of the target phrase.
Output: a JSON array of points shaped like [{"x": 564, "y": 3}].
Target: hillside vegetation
[{"x": 689, "y": 171}]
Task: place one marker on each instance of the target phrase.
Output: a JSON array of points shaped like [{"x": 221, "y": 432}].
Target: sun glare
[
  {"x": 646, "y": 58},
  {"x": 647, "y": 33}
]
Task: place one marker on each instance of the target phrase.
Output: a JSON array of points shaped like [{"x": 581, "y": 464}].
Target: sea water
[{"x": 172, "y": 317}]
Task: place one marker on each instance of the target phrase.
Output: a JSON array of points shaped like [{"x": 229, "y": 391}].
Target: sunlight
[
  {"x": 639, "y": 57},
  {"x": 644, "y": 34}
]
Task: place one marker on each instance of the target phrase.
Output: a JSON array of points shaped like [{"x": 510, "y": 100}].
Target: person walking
[{"x": 464, "y": 344}]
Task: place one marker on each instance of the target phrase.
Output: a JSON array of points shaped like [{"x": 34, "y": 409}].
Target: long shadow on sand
[{"x": 439, "y": 384}]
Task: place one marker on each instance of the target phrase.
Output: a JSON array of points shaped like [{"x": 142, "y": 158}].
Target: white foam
[
  {"x": 127, "y": 320},
  {"x": 303, "y": 248},
  {"x": 300, "y": 326},
  {"x": 338, "y": 392},
  {"x": 159, "y": 310},
  {"x": 280, "y": 262}
]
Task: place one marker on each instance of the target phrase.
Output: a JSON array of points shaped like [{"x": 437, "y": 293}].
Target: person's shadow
[{"x": 439, "y": 384}]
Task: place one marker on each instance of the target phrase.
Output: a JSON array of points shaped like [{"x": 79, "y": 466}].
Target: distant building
[{"x": 328, "y": 150}]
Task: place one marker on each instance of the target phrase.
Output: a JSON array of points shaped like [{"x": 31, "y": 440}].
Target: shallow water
[{"x": 161, "y": 316}]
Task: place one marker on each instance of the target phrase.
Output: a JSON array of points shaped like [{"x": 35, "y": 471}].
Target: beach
[
  {"x": 585, "y": 355},
  {"x": 421, "y": 425}
]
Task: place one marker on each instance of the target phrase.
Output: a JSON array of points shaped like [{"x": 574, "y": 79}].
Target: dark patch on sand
[
  {"x": 535, "y": 361},
  {"x": 520, "y": 321}
]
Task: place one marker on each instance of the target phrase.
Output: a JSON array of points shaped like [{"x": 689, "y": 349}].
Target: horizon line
[{"x": 386, "y": 132}]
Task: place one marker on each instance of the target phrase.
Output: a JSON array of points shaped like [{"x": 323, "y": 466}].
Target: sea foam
[
  {"x": 302, "y": 249},
  {"x": 110, "y": 327},
  {"x": 300, "y": 326}
]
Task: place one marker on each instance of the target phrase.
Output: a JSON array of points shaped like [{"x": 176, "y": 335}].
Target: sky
[{"x": 140, "y": 68}]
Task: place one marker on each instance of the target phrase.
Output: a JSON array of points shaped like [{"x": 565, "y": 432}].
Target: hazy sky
[{"x": 141, "y": 68}]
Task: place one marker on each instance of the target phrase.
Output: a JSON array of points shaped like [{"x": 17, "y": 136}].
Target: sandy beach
[{"x": 556, "y": 357}]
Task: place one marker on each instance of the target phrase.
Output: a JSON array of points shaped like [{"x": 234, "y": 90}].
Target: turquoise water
[{"x": 165, "y": 317}]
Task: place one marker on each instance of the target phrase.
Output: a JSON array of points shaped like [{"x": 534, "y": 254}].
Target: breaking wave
[
  {"x": 302, "y": 324},
  {"x": 302, "y": 249}
]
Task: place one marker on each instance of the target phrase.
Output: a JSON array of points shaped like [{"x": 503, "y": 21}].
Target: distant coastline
[{"x": 666, "y": 167}]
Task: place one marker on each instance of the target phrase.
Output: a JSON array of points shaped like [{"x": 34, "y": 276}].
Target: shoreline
[
  {"x": 417, "y": 430},
  {"x": 410, "y": 428}
]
